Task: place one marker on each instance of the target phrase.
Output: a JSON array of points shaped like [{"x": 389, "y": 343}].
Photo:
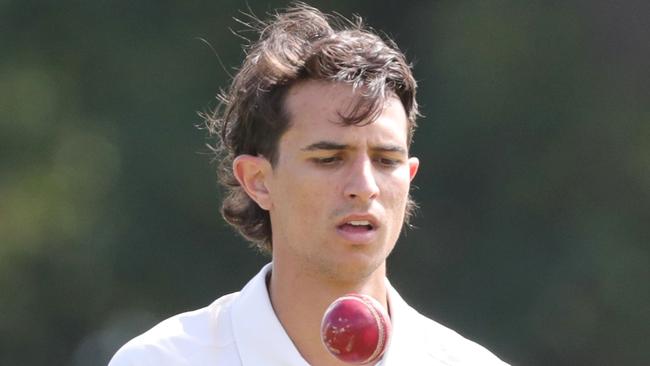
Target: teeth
[{"x": 359, "y": 223}]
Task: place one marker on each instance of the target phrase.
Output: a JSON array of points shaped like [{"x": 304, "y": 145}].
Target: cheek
[
  {"x": 397, "y": 185},
  {"x": 304, "y": 198},
  {"x": 396, "y": 196}
]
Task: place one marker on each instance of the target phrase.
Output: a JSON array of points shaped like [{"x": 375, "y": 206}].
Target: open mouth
[{"x": 357, "y": 225}]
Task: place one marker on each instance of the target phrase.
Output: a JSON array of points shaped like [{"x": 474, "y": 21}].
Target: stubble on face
[{"x": 311, "y": 195}]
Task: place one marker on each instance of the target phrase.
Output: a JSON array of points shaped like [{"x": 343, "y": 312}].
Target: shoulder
[
  {"x": 448, "y": 347},
  {"x": 195, "y": 337},
  {"x": 427, "y": 342}
]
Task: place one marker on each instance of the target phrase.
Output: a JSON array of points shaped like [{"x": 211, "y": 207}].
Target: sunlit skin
[{"x": 326, "y": 176}]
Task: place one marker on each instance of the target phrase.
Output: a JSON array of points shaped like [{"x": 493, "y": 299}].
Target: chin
[{"x": 355, "y": 268}]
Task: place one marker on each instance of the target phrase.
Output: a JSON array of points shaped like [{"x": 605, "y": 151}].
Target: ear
[
  {"x": 251, "y": 173},
  {"x": 414, "y": 164}
]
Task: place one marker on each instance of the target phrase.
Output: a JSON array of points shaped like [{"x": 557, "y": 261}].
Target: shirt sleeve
[
  {"x": 131, "y": 354},
  {"x": 121, "y": 358}
]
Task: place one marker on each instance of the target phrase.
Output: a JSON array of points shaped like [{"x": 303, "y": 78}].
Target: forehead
[{"x": 315, "y": 108}]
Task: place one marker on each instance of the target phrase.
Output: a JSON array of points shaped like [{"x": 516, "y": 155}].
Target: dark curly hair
[{"x": 297, "y": 44}]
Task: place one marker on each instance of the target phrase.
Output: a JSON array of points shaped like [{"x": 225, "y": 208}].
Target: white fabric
[{"x": 241, "y": 329}]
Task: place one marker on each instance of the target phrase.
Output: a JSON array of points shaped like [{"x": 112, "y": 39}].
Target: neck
[{"x": 299, "y": 299}]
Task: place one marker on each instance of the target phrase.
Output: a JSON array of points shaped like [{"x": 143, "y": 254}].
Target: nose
[{"x": 361, "y": 183}]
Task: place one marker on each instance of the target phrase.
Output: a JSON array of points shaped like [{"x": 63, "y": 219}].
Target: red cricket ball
[{"x": 355, "y": 329}]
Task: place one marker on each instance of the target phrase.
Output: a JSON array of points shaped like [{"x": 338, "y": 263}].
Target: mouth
[
  {"x": 357, "y": 225},
  {"x": 358, "y": 229}
]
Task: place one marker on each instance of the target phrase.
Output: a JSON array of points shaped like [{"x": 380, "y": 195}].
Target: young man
[{"x": 314, "y": 138}]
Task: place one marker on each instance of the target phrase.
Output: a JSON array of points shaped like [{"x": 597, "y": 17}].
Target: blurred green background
[{"x": 533, "y": 233}]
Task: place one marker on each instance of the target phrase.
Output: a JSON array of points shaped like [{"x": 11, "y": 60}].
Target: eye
[
  {"x": 327, "y": 160},
  {"x": 387, "y": 162}
]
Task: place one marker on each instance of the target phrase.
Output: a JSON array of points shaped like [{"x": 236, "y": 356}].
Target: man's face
[{"x": 338, "y": 193}]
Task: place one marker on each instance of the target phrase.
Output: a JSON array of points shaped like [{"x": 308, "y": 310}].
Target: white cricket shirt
[{"x": 241, "y": 329}]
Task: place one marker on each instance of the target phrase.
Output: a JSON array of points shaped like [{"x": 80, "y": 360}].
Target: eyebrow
[{"x": 329, "y": 145}]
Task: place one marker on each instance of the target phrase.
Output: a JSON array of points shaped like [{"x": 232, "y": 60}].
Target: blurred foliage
[{"x": 532, "y": 236}]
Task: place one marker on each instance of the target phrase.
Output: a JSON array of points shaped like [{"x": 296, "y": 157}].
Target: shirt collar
[
  {"x": 404, "y": 345},
  {"x": 261, "y": 339}
]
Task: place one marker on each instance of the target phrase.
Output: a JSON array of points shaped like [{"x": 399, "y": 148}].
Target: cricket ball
[{"x": 356, "y": 329}]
